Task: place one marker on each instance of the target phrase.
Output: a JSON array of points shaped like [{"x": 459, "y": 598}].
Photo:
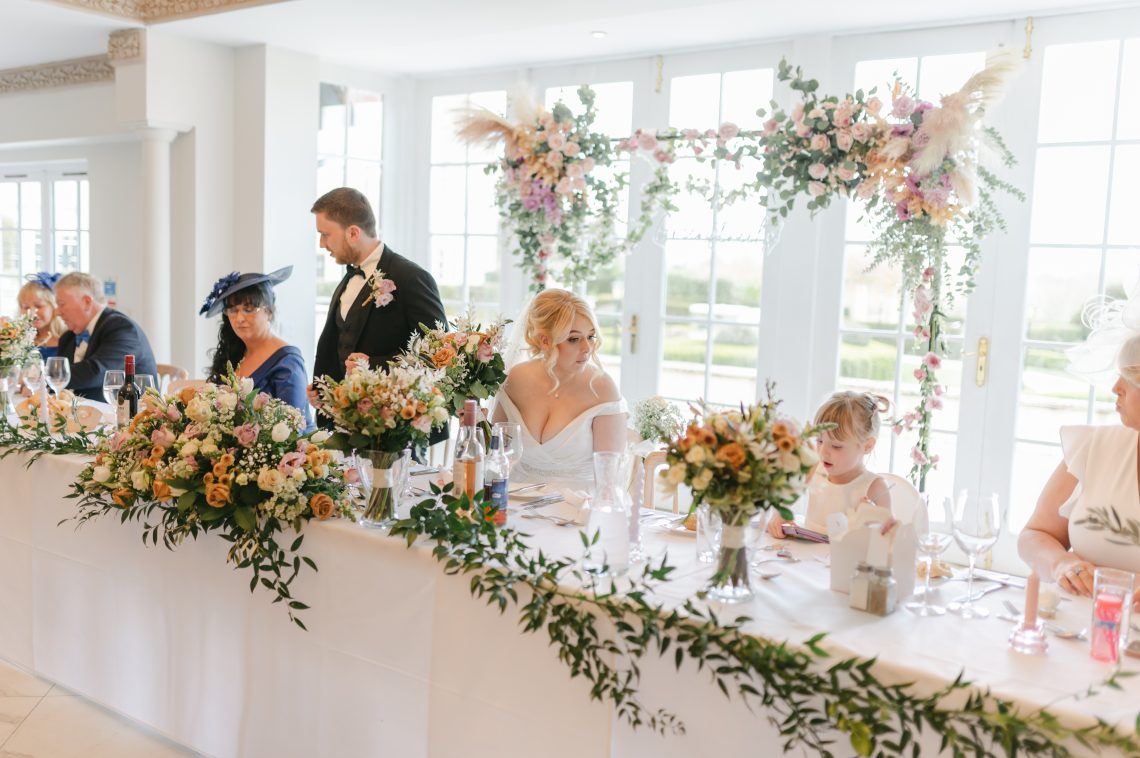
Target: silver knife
[
  {"x": 980, "y": 594},
  {"x": 540, "y": 502}
]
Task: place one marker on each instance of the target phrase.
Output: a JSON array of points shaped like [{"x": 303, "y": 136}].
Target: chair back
[
  {"x": 177, "y": 385},
  {"x": 168, "y": 373},
  {"x": 906, "y": 503}
]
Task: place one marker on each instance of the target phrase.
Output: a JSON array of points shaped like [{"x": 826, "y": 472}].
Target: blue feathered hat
[{"x": 235, "y": 282}]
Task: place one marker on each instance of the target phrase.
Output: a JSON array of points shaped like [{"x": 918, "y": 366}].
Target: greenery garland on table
[
  {"x": 37, "y": 440},
  {"x": 804, "y": 691}
]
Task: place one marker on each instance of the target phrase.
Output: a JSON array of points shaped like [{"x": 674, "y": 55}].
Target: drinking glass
[
  {"x": 708, "y": 533},
  {"x": 609, "y": 518},
  {"x": 112, "y": 383},
  {"x": 976, "y": 526},
  {"x": 33, "y": 373},
  {"x": 1112, "y": 606},
  {"x": 144, "y": 382},
  {"x": 933, "y": 538},
  {"x": 58, "y": 373},
  {"x": 511, "y": 435}
]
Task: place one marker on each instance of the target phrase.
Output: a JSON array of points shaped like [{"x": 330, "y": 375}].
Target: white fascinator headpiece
[{"x": 1113, "y": 344}]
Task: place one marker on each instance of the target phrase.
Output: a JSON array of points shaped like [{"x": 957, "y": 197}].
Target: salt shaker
[
  {"x": 860, "y": 584},
  {"x": 882, "y": 593}
]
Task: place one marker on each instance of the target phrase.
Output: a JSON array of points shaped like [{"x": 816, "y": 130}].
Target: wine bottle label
[
  {"x": 499, "y": 493},
  {"x": 123, "y": 413}
]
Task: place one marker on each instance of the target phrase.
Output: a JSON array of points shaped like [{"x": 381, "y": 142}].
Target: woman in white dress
[
  {"x": 566, "y": 404},
  {"x": 1100, "y": 474}
]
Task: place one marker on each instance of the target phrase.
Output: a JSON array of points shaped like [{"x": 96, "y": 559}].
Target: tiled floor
[{"x": 39, "y": 720}]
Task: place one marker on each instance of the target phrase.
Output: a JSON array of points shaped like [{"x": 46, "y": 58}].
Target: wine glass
[
  {"x": 144, "y": 382},
  {"x": 112, "y": 383},
  {"x": 977, "y": 525},
  {"x": 58, "y": 373},
  {"x": 510, "y": 436},
  {"x": 933, "y": 538},
  {"x": 33, "y": 373}
]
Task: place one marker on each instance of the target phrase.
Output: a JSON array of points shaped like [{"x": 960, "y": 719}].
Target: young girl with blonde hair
[{"x": 841, "y": 480}]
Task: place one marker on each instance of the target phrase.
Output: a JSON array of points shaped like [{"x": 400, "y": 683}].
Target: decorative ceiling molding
[
  {"x": 154, "y": 11},
  {"x": 58, "y": 74},
  {"x": 126, "y": 45}
]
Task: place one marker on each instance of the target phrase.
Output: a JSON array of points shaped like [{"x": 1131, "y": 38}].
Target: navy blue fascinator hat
[{"x": 235, "y": 282}]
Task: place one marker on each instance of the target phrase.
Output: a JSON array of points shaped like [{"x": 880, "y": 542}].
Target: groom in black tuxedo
[{"x": 366, "y": 316}]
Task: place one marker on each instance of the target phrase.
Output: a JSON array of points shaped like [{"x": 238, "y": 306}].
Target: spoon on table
[{"x": 1056, "y": 629}]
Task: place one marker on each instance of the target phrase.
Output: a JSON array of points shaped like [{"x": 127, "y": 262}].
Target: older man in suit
[
  {"x": 383, "y": 297},
  {"x": 98, "y": 337}
]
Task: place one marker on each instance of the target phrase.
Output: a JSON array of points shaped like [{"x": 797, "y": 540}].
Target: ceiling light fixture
[{"x": 598, "y": 34}]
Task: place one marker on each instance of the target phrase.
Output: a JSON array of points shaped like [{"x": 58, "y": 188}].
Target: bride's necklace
[{"x": 564, "y": 385}]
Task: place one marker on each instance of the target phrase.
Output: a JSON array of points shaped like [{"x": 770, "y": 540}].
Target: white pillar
[{"x": 155, "y": 228}]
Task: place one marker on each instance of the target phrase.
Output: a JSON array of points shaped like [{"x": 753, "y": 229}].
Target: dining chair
[
  {"x": 168, "y": 373},
  {"x": 905, "y": 500},
  {"x": 177, "y": 385}
]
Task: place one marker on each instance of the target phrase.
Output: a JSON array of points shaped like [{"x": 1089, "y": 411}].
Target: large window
[
  {"x": 714, "y": 257},
  {"x": 44, "y": 226},
  {"x": 877, "y": 349},
  {"x": 349, "y": 151},
  {"x": 463, "y": 217},
  {"x": 1084, "y": 240}
]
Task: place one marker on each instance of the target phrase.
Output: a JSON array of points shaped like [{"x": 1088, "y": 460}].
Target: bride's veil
[{"x": 516, "y": 350}]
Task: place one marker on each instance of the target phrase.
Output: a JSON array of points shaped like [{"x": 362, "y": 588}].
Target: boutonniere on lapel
[{"x": 382, "y": 289}]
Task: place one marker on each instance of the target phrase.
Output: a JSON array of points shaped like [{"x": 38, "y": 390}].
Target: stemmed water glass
[
  {"x": 58, "y": 373},
  {"x": 33, "y": 374},
  {"x": 144, "y": 382},
  {"x": 977, "y": 525},
  {"x": 113, "y": 382},
  {"x": 510, "y": 440},
  {"x": 932, "y": 540}
]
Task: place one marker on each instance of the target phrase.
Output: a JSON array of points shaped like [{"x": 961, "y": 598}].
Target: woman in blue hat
[
  {"x": 38, "y": 296},
  {"x": 246, "y": 341}
]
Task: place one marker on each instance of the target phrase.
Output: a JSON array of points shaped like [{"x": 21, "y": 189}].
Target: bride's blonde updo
[{"x": 552, "y": 315}]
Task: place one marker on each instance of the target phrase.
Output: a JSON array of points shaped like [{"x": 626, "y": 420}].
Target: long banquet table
[{"x": 399, "y": 660}]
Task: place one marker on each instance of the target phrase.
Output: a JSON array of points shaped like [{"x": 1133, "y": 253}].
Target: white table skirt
[{"x": 399, "y": 660}]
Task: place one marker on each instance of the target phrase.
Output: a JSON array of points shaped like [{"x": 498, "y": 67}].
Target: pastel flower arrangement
[
  {"x": 221, "y": 457},
  {"x": 469, "y": 357},
  {"x": 385, "y": 409},
  {"x": 655, "y": 418},
  {"x": 561, "y": 211},
  {"x": 17, "y": 340},
  {"x": 743, "y": 462}
]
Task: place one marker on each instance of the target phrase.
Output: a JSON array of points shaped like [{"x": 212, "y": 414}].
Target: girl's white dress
[
  {"x": 1103, "y": 459},
  {"x": 825, "y": 498},
  {"x": 567, "y": 456}
]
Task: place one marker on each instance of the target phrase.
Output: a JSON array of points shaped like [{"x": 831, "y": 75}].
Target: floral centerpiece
[
  {"x": 382, "y": 412},
  {"x": 17, "y": 342},
  {"x": 224, "y": 457},
  {"x": 655, "y": 418},
  {"x": 741, "y": 463},
  {"x": 469, "y": 356},
  {"x": 553, "y": 190}
]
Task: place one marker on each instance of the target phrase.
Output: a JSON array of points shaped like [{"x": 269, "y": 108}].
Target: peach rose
[
  {"x": 408, "y": 412},
  {"x": 123, "y": 497},
  {"x": 217, "y": 495},
  {"x": 732, "y": 454},
  {"x": 186, "y": 394},
  {"x": 443, "y": 357},
  {"x": 161, "y": 490},
  {"x": 321, "y": 505}
]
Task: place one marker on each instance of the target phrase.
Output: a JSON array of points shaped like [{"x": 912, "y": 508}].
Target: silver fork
[{"x": 556, "y": 520}]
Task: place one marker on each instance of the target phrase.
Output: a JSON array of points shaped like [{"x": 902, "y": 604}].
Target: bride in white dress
[{"x": 566, "y": 404}]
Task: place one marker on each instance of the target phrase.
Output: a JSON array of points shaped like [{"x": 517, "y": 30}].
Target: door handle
[
  {"x": 633, "y": 334},
  {"x": 981, "y": 365}
]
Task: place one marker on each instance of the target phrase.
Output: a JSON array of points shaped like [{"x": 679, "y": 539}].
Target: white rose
[
  {"x": 676, "y": 473},
  {"x": 696, "y": 455},
  {"x": 270, "y": 479},
  {"x": 808, "y": 456},
  {"x": 208, "y": 448},
  {"x": 190, "y": 448},
  {"x": 245, "y": 386},
  {"x": 319, "y": 437},
  {"x": 101, "y": 474},
  {"x": 242, "y": 479},
  {"x": 299, "y": 474},
  {"x": 702, "y": 480},
  {"x": 138, "y": 480},
  {"x": 788, "y": 461},
  {"x": 199, "y": 409},
  {"x": 280, "y": 432},
  {"x": 227, "y": 401}
]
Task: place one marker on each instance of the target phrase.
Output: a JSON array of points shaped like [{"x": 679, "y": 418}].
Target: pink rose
[
  {"x": 646, "y": 141},
  {"x": 820, "y": 142},
  {"x": 803, "y": 130},
  {"x": 554, "y": 159},
  {"x": 697, "y": 149},
  {"x": 861, "y": 132},
  {"x": 383, "y": 299},
  {"x": 903, "y": 106},
  {"x": 563, "y": 186},
  {"x": 556, "y": 141},
  {"x": 246, "y": 434},
  {"x": 351, "y": 476},
  {"x": 920, "y": 139},
  {"x": 387, "y": 414},
  {"x": 865, "y": 189},
  {"x": 932, "y": 360},
  {"x": 572, "y": 149},
  {"x": 920, "y": 374},
  {"x": 815, "y": 189},
  {"x": 845, "y": 173},
  {"x": 728, "y": 130},
  {"x": 843, "y": 140},
  {"x": 364, "y": 404},
  {"x": 423, "y": 423},
  {"x": 261, "y": 400},
  {"x": 173, "y": 413},
  {"x": 938, "y": 389},
  {"x": 923, "y": 106},
  {"x": 162, "y": 437},
  {"x": 290, "y": 462},
  {"x": 933, "y": 403},
  {"x": 817, "y": 113},
  {"x": 118, "y": 439},
  {"x": 874, "y": 105},
  {"x": 588, "y": 164},
  {"x": 662, "y": 157},
  {"x": 817, "y": 171},
  {"x": 303, "y": 446},
  {"x": 574, "y": 170},
  {"x": 579, "y": 183},
  {"x": 798, "y": 112},
  {"x": 485, "y": 352},
  {"x": 928, "y": 273},
  {"x": 770, "y": 127},
  {"x": 917, "y": 456}
]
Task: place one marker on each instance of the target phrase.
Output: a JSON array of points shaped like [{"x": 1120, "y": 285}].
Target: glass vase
[
  {"x": 379, "y": 477},
  {"x": 7, "y": 389},
  {"x": 732, "y": 581}
]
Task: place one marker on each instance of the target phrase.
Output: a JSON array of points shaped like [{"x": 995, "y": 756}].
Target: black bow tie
[{"x": 355, "y": 270}]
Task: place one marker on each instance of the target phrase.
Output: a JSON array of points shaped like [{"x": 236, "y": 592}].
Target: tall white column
[{"x": 155, "y": 227}]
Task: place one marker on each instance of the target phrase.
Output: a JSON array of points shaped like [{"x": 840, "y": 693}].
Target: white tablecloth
[{"x": 399, "y": 660}]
